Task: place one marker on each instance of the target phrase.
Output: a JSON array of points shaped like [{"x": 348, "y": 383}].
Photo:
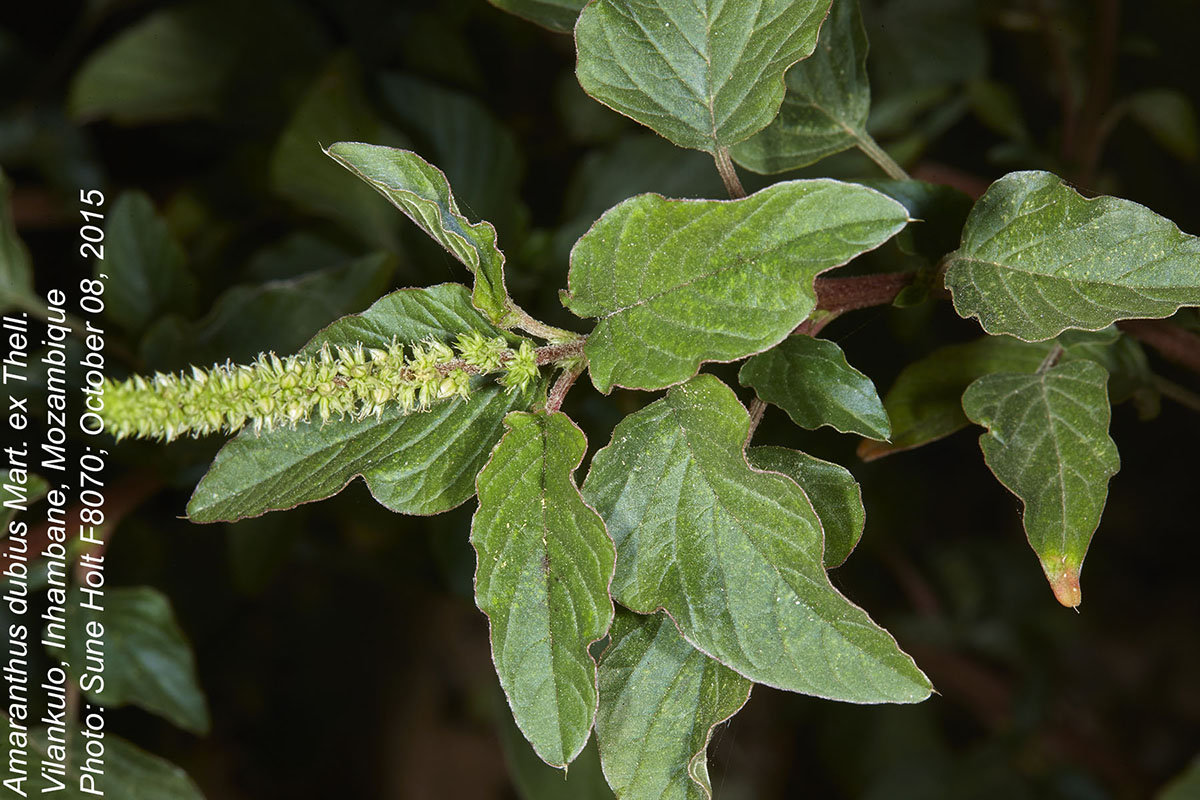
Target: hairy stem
[
  {"x": 729, "y": 175},
  {"x": 558, "y": 392},
  {"x": 534, "y": 327}
]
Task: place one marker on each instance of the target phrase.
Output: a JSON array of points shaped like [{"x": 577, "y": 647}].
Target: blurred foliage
[{"x": 337, "y": 644}]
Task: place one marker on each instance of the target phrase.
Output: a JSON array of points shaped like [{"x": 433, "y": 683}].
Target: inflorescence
[{"x": 273, "y": 392}]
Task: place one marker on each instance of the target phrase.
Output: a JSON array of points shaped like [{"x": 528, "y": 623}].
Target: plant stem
[
  {"x": 873, "y": 151},
  {"x": 553, "y": 353},
  {"x": 1051, "y": 358},
  {"x": 728, "y": 174},
  {"x": 536, "y": 327},
  {"x": 558, "y": 391},
  {"x": 757, "y": 408},
  {"x": 862, "y": 291}
]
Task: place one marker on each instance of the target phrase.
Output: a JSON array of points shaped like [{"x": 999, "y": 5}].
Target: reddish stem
[
  {"x": 847, "y": 294},
  {"x": 558, "y": 392}
]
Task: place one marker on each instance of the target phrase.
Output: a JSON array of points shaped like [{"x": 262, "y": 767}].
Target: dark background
[{"x": 339, "y": 645}]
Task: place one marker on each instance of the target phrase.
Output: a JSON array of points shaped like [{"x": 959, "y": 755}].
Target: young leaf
[
  {"x": 147, "y": 273},
  {"x": 544, "y": 566},
  {"x": 1037, "y": 258},
  {"x": 422, "y": 192},
  {"x": 1048, "y": 442},
  {"x": 660, "y": 699},
  {"x": 148, "y": 661},
  {"x": 690, "y": 281},
  {"x": 832, "y": 490},
  {"x": 734, "y": 554},
  {"x": 703, "y": 74},
  {"x": 422, "y": 463},
  {"x": 810, "y": 380},
  {"x": 825, "y": 108},
  {"x": 557, "y": 15}
]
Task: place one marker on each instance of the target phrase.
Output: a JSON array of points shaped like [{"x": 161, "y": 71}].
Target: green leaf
[
  {"x": 422, "y": 192},
  {"x": 557, "y": 15},
  {"x": 423, "y": 463},
  {"x": 636, "y": 163},
  {"x": 1168, "y": 116},
  {"x": 335, "y": 107},
  {"x": 832, "y": 490},
  {"x": 1037, "y": 258},
  {"x": 544, "y": 567},
  {"x": 660, "y": 700},
  {"x": 827, "y": 101},
  {"x": 703, "y": 74},
  {"x": 129, "y": 772},
  {"x": 690, "y": 281},
  {"x": 478, "y": 154},
  {"x": 147, "y": 661},
  {"x": 146, "y": 267},
  {"x": 16, "y": 272},
  {"x": 734, "y": 554},
  {"x": 1048, "y": 442},
  {"x": 925, "y": 402},
  {"x": 810, "y": 380}
]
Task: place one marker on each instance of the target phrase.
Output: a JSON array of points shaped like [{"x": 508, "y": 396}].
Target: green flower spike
[{"x": 335, "y": 382}]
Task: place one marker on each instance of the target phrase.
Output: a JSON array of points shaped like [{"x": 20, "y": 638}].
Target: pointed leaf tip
[{"x": 1064, "y": 581}]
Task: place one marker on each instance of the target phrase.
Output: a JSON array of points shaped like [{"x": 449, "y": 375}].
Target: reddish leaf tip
[{"x": 1064, "y": 581}]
